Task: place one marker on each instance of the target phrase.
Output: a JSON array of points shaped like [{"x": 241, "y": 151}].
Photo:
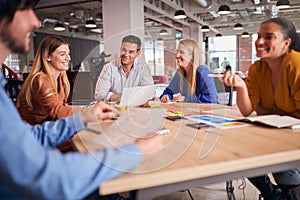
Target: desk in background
[{"x": 193, "y": 158}]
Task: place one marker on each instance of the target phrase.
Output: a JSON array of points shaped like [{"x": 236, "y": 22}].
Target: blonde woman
[
  {"x": 190, "y": 80},
  {"x": 44, "y": 94}
]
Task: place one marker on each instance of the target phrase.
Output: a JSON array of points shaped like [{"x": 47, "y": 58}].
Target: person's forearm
[
  {"x": 50, "y": 133},
  {"x": 243, "y": 101},
  {"x": 70, "y": 181},
  {"x": 115, "y": 98}
]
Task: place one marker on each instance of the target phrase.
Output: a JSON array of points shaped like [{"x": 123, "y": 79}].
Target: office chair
[
  {"x": 13, "y": 88},
  {"x": 224, "y": 92},
  {"x": 13, "y": 85},
  {"x": 230, "y": 190}
]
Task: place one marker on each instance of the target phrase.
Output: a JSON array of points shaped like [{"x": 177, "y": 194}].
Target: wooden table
[{"x": 193, "y": 158}]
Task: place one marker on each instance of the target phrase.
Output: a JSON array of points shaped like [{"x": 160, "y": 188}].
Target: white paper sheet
[
  {"x": 134, "y": 123},
  {"x": 275, "y": 121}
]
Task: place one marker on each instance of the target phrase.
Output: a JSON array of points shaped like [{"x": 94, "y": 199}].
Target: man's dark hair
[
  {"x": 133, "y": 39},
  {"x": 9, "y": 7},
  {"x": 228, "y": 67}
]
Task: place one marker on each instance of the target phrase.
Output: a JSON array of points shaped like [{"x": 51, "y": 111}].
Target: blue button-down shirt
[{"x": 30, "y": 168}]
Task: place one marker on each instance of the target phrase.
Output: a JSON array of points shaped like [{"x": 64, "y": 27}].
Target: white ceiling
[{"x": 159, "y": 14}]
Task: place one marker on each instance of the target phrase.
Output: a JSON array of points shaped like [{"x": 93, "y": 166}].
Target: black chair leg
[
  {"x": 190, "y": 194},
  {"x": 230, "y": 190}
]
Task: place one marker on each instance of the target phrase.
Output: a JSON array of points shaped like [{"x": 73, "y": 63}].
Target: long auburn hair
[
  {"x": 42, "y": 67},
  {"x": 193, "y": 47}
]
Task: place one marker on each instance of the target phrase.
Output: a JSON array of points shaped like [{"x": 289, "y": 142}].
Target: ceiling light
[
  {"x": 223, "y": 10},
  {"x": 163, "y": 32},
  {"x": 205, "y": 28},
  {"x": 245, "y": 35},
  {"x": 218, "y": 35},
  {"x": 97, "y": 30},
  {"x": 180, "y": 14},
  {"x": 59, "y": 27},
  {"x": 90, "y": 24},
  {"x": 238, "y": 26},
  {"x": 282, "y": 4}
]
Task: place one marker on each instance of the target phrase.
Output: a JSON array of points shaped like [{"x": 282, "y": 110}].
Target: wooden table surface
[{"x": 192, "y": 157}]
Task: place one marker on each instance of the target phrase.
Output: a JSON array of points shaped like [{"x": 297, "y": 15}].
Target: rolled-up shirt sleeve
[
  {"x": 173, "y": 87},
  {"x": 146, "y": 77},
  {"x": 50, "y": 133},
  {"x": 104, "y": 84}
]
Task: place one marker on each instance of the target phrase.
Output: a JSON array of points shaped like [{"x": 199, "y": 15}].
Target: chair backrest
[
  {"x": 163, "y": 79},
  {"x": 13, "y": 88},
  {"x": 224, "y": 92},
  {"x": 13, "y": 85},
  {"x": 81, "y": 86},
  {"x": 8, "y": 73}
]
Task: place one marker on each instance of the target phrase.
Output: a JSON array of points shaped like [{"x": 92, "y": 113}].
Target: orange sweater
[
  {"x": 48, "y": 105},
  {"x": 286, "y": 96}
]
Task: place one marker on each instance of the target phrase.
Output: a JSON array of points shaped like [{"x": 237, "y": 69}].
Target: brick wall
[{"x": 244, "y": 45}]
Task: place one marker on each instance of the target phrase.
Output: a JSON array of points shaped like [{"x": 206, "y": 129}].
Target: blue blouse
[{"x": 205, "y": 87}]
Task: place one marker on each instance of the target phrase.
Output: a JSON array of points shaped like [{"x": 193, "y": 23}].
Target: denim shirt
[{"x": 30, "y": 168}]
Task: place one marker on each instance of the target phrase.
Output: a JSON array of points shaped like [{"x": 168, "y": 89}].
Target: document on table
[
  {"x": 228, "y": 112},
  {"x": 217, "y": 121},
  {"x": 134, "y": 123},
  {"x": 273, "y": 120},
  {"x": 136, "y": 96},
  {"x": 276, "y": 121}
]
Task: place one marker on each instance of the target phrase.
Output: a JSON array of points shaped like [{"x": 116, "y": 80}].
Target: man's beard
[{"x": 12, "y": 43}]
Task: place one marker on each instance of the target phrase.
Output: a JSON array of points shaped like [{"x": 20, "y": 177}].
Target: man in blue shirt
[{"x": 29, "y": 167}]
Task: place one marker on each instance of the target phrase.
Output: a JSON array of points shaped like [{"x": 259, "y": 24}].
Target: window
[
  {"x": 154, "y": 56},
  {"x": 222, "y": 52}
]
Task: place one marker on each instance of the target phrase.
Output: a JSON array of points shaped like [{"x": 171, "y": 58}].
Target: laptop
[{"x": 136, "y": 96}]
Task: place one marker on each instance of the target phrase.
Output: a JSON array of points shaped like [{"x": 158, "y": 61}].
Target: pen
[
  {"x": 221, "y": 75},
  {"x": 215, "y": 75},
  {"x": 163, "y": 131},
  {"x": 93, "y": 102}
]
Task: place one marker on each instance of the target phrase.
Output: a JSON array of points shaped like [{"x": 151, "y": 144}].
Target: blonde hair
[
  {"x": 193, "y": 47},
  {"x": 42, "y": 67}
]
